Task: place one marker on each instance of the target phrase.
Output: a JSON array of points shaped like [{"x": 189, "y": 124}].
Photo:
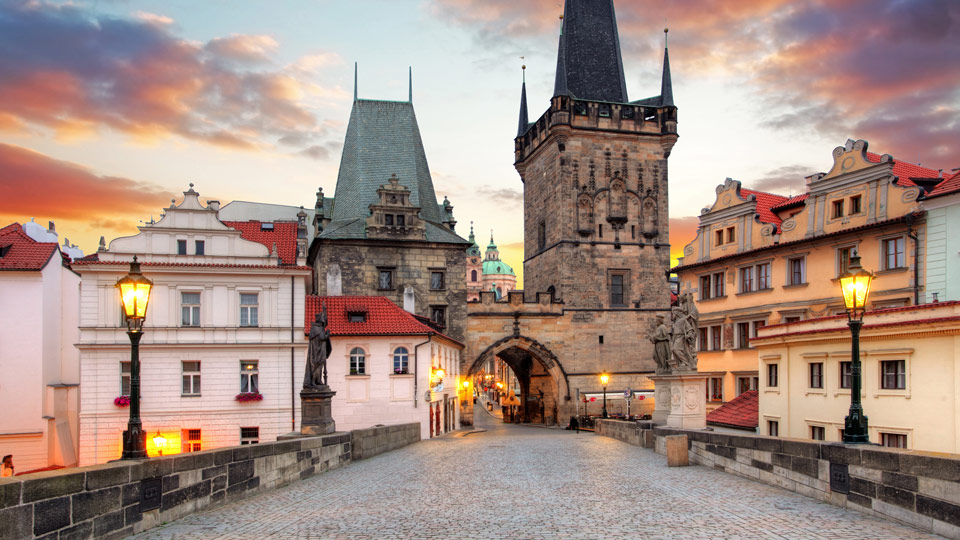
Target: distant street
[{"x": 527, "y": 482}]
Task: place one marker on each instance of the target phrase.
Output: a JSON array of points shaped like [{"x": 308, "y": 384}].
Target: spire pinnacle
[
  {"x": 410, "y": 98},
  {"x": 666, "y": 84},
  {"x": 589, "y": 62},
  {"x": 354, "y": 81},
  {"x": 524, "y": 120}
]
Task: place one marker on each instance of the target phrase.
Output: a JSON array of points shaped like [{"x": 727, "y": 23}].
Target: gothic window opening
[{"x": 542, "y": 235}]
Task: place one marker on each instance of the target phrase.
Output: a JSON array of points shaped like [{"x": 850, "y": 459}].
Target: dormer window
[
  {"x": 4, "y": 250},
  {"x": 266, "y": 226},
  {"x": 356, "y": 316}
]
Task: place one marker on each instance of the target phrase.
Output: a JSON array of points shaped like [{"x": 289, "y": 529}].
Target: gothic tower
[{"x": 594, "y": 168}]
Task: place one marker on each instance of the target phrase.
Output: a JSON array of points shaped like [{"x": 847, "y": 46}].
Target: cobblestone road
[{"x": 514, "y": 482}]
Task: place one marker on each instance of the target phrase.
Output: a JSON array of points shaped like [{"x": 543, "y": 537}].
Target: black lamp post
[
  {"x": 134, "y": 297},
  {"x": 604, "y": 379},
  {"x": 855, "y": 286}
]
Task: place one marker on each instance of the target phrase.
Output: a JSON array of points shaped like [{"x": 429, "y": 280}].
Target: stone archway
[{"x": 543, "y": 381}]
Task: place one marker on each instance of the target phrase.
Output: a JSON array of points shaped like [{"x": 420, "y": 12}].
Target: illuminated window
[
  {"x": 249, "y": 377},
  {"x": 190, "y": 440}
]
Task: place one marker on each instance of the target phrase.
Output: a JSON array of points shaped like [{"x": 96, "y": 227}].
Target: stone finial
[{"x": 103, "y": 244}]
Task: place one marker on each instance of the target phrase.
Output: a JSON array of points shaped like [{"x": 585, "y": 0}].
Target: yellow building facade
[
  {"x": 910, "y": 360},
  {"x": 761, "y": 259}
]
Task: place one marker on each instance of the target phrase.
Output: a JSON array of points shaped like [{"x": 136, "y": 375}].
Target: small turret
[{"x": 666, "y": 84}]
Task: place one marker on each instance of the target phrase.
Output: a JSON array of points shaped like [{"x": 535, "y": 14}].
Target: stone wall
[
  {"x": 121, "y": 498},
  {"x": 921, "y": 489},
  {"x": 366, "y": 443}
]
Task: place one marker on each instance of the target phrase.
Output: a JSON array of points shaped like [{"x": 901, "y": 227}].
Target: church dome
[{"x": 497, "y": 268}]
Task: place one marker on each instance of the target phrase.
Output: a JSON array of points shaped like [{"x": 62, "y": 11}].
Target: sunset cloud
[
  {"x": 682, "y": 231},
  {"x": 134, "y": 76}
]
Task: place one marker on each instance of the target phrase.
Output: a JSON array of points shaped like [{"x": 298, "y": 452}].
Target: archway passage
[{"x": 542, "y": 380}]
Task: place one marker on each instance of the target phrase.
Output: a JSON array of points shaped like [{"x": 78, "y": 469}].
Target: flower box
[
  {"x": 122, "y": 401},
  {"x": 249, "y": 396}
]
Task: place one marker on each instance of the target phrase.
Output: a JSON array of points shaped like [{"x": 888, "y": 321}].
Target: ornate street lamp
[
  {"x": 134, "y": 297},
  {"x": 604, "y": 379},
  {"x": 855, "y": 286},
  {"x": 159, "y": 442}
]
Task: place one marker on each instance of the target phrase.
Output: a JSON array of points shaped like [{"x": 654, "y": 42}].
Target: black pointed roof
[
  {"x": 524, "y": 122},
  {"x": 666, "y": 84},
  {"x": 589, "y": 64}
]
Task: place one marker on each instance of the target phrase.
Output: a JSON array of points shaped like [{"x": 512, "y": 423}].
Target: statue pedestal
[
  {"x": 316, "y": 411},
  {"x": 681, "y": 397}
]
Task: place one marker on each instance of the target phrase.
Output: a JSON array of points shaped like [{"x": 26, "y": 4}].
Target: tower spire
[
  {"x": 410, "y": 98},
  {"x": 666, "y": 84},
  {"x": 589, "y": 63},
  {"x": 524, "y": 119},
  {"x": 354, "y": 81}
]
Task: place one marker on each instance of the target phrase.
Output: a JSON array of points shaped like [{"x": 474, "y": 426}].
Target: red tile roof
[
  {"x": 950, "y": 185},
  {"x": 905, "y": 171},
  {"x": 790, "y": 203},
  {"x": 383, "y": 317},
  {"x": 740, "y": 412},
  {"x": 284, "y": 234},
  {"x": 94, "y": 262},
  {"x": 765, "y": 202},
  {"x": 20, "y": 252}
]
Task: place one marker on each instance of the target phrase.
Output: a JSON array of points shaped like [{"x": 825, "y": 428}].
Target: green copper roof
[
  {"x": 383, "y": 139},
  {"x": 497, "y": 268},
  {"x": 474, "y": 249}
]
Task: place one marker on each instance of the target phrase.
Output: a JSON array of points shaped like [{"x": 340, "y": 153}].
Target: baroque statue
[
  {"x": 315, "y": 376},
  {"x": 660, "y": 337},
  {"x": 686, "y": 320}
]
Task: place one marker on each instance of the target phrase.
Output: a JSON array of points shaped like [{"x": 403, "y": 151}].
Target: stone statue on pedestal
[
  {"x": 684, "y": 339},
  {"x": 315, "y": 375},
  {"x": 660, "y": 337}
]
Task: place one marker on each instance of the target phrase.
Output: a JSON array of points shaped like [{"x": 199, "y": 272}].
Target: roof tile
[
  {"x": 740, "y": 412},
  {"x": 284, "y": 234},
  {"x": 20, "y": 252},
  {"x": 382, "y": 317}
]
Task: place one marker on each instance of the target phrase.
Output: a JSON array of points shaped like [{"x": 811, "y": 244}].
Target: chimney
[
  {"x": 409, "y": 300},
  {"x": 213, "y": 205}
]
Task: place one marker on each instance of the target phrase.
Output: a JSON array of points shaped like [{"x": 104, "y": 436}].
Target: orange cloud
[{"x": 683, "y": 230}]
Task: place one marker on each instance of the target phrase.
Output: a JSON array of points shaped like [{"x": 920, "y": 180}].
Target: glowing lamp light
[
  {"x": 134, "y": 295},
  {"x": 604, "y": 379},
  {"x": 499, "y": 385},
  {"x": 855, "y": 286},
  {"x": 466, "y": 384},
  {"x": 159, "y": 442}
]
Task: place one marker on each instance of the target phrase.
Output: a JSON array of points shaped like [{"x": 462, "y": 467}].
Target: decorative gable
[{"x": 395, "y": 216}]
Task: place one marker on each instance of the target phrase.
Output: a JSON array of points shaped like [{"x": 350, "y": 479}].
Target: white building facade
[
  {"x": 39, "y": 369},
  {"x": 388, "y": 366},
  {"x": 222, "y": 355}
]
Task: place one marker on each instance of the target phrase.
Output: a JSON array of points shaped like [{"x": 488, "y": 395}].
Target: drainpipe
[
  {"x": 293, "y": 377},
  {"x": 416, "y": 366},
  {"x": 911, "y": 234}
]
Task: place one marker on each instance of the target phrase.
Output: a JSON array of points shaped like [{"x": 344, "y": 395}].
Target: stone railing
[
  {"x": 921, "y": 489},
  {"x": 126, "y": 497}
]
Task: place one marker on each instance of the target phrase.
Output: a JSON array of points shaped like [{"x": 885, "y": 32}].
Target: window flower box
[
  {"x": 122, "y": 401},
  {"x": 249, "y": 396}
]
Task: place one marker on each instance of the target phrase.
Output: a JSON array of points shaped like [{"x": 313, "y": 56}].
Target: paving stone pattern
[{"x": 523, "y": 482}]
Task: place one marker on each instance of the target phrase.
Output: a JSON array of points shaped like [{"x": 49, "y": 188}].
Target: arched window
[
  {"x": 553, "y": 292},
  {"x": 473, "y": 275},
  {"x": 358, "y": 361},
  {"x": 401, "y": 359}
]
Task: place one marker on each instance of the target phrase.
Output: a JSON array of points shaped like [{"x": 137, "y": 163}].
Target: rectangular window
[
  {"x": 846, "y": 374},
  {"x": 705, "y": 288},
  {"x": 542, "y": 235},
  {"x": 190, "y": 309},
  {"x": 743, "y": 335},
  {"x": 773, "y": 428},
  {"x": 855, "y": 204},
  {"x": 703, "y": 344},
  {"x": 438, "y": 315},
  {"x": 191, "y": 441},
  {"x": 838, "y": 209},
  {"x": 718, "y": 284},
  {"x": 818, "y": 433},
  {"x": 731, "y": 235},
  {"x": 385, "y": 281},
  {"x": 792, "y": 319},
  {"x": 124, "y": 378},
  {"x": 796, "y": 271},
  {"x": 249, "y": 377},
  {"x": 746, "y": 279},
  {"x": 893, "y": 374},
  {"x": 249, "y": 435},
  {"x": 401, "y": 220},
  {"x": 893, "y": 440},
  {"x": 773, "y": 375},
  {"x": 745, "y": 384},
  {"x": 249, "y": 307},
  {"x": 600, "y": 230},
  {"x": 843, "y": 259},
  {"x": 436, "y": 281},
  {"x": 616, "y": 290},
  {"x": 198, "y": 247},
  {"x": 763, "y": 276},
  {"x": 715, "y": 389},
  {"x": 358, "y": 361},
  {"x": 816, "y": 375},
  {"x": 719, "y": 238},
  {"x": 715, "y": 335},
  {"x": 181, "y": 247},
  {"x": 388, "y": 220},
  {"x": 191, "y": 378},
  {"x": 893, "y": 253}
]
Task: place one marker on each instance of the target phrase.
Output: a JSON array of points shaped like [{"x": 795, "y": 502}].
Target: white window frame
[
  {"x": 838, "y": 264},
  {"x": 125, "y": 375},
  {"x": 883, "y": 251},
  {"x": 192, "y": 376},
  {"x": 250, "y": 377},
  {"x": 753, "y": 326},
  {"x": 195, "y": 309},
  {"x": 872, "y": 371},
  {"x": 803, "y": 270},
  {"x": 249, "y": 439},
  {"x": 249, "y": 309},
  {"x": 711, "y": 387},
  {"x": 393, "y": 359},
  {"x": 766, "y": 425},
  {"x": 816, "y": 358},
  {"x": 362, "y": 356}
]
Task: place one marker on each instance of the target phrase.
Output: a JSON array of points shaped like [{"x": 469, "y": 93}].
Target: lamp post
[
  {"x": 134, "y": 297},
  {"x": 604, "y": 379},
  {"x": 855, "y": 286}
]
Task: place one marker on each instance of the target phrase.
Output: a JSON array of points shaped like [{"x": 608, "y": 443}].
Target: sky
[{"x": 110, "y": 108}]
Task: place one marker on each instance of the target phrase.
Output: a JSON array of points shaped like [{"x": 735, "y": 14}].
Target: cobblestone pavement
[{"x": 513, "y": 482}]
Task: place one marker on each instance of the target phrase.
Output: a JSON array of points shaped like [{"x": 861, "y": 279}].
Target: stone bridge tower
[{"x": 596, "y": 238}]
